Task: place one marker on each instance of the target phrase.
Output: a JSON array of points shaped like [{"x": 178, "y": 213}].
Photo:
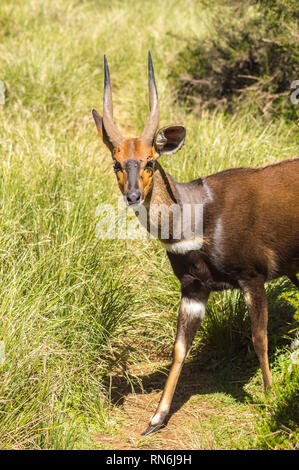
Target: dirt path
[{"x": 203, "y": 416}]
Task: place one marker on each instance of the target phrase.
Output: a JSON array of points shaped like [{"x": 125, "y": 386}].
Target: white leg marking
[
  {"x": 184, "y": 246},
  {"x": 155, "y": 419},
  {"x": 180, "y": 350},
  {"x": 193, "y": 307}
]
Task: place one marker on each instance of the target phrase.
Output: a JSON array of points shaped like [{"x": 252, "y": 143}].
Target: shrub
[{"x": 252, "y": 53}]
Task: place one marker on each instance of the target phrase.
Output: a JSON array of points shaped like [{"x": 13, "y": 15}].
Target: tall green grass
[
  {"x": 277, "y": 425},
  {"x": 73, "y": 307}
]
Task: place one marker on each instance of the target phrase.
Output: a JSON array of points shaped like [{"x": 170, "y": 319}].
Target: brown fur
[
  {"x": 251, "y": 221},
  {"x": 250, "y": 236},
  {"x": 135, "y": 149}
]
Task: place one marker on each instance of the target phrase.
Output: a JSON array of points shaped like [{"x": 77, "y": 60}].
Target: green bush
[{"x": 251, "y": 54}]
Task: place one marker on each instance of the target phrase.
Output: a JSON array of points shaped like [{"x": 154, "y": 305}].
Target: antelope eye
[{"x": 117, "y": 167}]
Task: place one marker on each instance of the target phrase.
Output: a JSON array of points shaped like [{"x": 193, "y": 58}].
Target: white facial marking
[
  {"x": 193, "y": 307},
  {"x": 184, "y": 246}
]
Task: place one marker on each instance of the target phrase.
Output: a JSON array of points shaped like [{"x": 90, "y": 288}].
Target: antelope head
[{"x": 134, "y": 159}]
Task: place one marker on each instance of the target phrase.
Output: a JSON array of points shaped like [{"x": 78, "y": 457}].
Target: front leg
[{"x": 191, "y": 313}]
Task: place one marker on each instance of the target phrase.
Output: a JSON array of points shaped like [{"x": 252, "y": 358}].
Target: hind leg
[{"x": 256, "y": 301}]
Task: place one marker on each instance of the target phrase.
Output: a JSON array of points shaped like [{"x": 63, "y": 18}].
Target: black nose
[{"x": 134, "y": 197}]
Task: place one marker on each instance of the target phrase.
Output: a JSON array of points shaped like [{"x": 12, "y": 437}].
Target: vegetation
[
  {"x": 277, "y": 426},
  {"x": 79, "y": 315},
  {"x": 251, "y": 54}
]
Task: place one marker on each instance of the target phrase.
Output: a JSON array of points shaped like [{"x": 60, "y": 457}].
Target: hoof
[{"x": 153, "y": 428}]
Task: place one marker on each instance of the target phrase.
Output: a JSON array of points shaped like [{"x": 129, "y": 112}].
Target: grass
[
  {"x": 277, "y": 424},
  {"x": 74, "y": 308}
]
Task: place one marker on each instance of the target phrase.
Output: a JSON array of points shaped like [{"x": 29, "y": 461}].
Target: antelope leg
[{"x": 191, "y": 313}]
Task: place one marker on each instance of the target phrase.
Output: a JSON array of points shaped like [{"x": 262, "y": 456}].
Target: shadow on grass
[{"x": 213, "y": 371}]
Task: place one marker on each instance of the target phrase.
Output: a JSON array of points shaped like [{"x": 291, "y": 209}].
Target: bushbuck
[{"x": 249, "y": 220}]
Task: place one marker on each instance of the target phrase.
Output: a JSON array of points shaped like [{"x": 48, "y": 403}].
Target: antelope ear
[
  {"x": 101, "y": 129},
  {"x": 169, "y": 139}
]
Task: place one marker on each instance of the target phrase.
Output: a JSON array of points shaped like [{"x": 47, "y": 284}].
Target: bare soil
[{"x": 203, "y": 416}]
